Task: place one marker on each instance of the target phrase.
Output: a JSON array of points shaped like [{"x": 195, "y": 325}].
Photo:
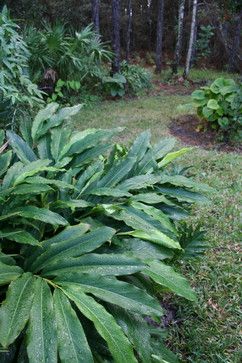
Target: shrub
[
  {"x": 137, "y": 78},
  {"x": 85, "y": 235},
  {"x": 16, "y": 88},
  {"x": 203, "y": 48},
  {"x": 115, "y": 85},
  {"x": 76, "y": 56},
  {"x": 220, "y": 105}
]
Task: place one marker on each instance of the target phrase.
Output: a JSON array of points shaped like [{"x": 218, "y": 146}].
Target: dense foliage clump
[
  {"x": 73, "y": 56},
  {"x": 137, "y": 78},
  {"x": 221, "y": 106},
  {"x": 85, "y": 235},
  {"x": 16, "y": 88}
]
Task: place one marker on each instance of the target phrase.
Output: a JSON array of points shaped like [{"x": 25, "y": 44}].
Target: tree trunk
[
  {"x": 116, "y": 35},
  {"x": 129, "y": 29},
  {"x": 179, "y": 37},
  {"x": 234, "y": 54},
  {"x": 192, "y": 39},
  {"x": 149, "y": 22},
  {"x": 159, "y": 35},
  {"x": 96, "y": 15}
]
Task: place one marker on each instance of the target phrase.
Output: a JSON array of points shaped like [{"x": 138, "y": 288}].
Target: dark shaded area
[{"x": 188, "y": 130}]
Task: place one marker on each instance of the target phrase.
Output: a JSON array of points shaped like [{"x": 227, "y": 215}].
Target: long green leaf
[
  {"x": 5, "y": 161},
  {"x": 137, "y": 331},
  {"x": 144, "y": 250},
  {"x": 68, "y": 234},
  {"x": 43, "y": 147},
  {"x": 87, "y": 176},
  {"x": 182, "y": 181},
  {"x": 39, "y": 214},
  {"x": 183, "y": 195},
  {"x": 31, "y": 169},
  {"x": 145, "y": 227},
  {"x": 58, "y": 118},
  {"x": 41, "y": 333},
  {"x": 2, "y": 136},
  {"x": 140, "y": 145},
  {"x": 40, "y": 180},
  {"x": 90, "y": 155},
  {"x": 21, "y": 148},
  {"x": 172, "y": 156},
  {"x": 139, "y": 182},
  {"x": 59, "y": 139},
  {"x": 154, "y": 236},
  {"x": 74, "y": 247},
  {"x": 72, "y": 343},
  {"x": 19, "y": 236},
  {"x": 113, "y": 291},
  {"x": 9, "y": 273},
  {"x": 87, "y": 139},
  {"x": 105, "y": 324},
  {"x": 117, "y": 173},
  {"x": 14, "y": 312},
  {"x": 163, "y": 147},
  {"x": 109, "y": 192},
  {"x": 41, "y": 117},
  {"x": 151, "y": 198},
  {"x": 166, "y": 276},
  {"x": 24, "y": 189},
  {"x": 103, "y": 264}
]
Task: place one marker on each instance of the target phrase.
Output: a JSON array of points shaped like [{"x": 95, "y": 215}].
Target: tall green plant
[
  {"x": 138, "y": 78},
  {"x": 16, "y": 88},
  {"x": 74, "y": 56},
  {"x": 85, "y": 235}
]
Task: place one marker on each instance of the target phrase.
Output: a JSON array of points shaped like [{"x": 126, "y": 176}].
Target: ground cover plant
[
  {"x": 74, "y": 224},
  {"x": 220, "y": 104}
]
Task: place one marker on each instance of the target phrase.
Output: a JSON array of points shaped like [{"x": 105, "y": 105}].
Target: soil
[
  {"x": 179, "y": 86},
  {"x": 188, "y": 130},
  {"x": 169, "y": 316}
]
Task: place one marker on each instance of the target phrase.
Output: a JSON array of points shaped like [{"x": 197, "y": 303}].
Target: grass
[
  {"x": 198, "y": 74},
  {"x": 208, "y": 331}
]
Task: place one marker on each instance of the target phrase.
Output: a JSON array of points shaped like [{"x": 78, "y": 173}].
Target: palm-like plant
[
  {"x": 72, "y": 56},
  {"x": 84, "y": 237}
]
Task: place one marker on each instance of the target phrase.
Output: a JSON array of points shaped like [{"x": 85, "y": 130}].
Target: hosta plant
[
  {"x": 115, "y": 85},
  {"x": 220, "y": 105},
  {"x": 87, "y": 231}
]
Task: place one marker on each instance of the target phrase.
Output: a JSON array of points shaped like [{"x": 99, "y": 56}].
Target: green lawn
[{"x": 208, "y": 331}]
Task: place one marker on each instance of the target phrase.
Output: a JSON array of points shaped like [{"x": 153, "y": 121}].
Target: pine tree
[
  {"x": 116, "y": 35},
  {"x": 96, "y": 15},
  {"x": 159, "y": 35}
]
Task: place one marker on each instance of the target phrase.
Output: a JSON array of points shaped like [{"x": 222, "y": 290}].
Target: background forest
[{"x": 217, "y": 30}]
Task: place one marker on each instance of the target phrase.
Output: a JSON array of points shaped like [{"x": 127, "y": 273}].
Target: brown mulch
[{"x": 188, "y": 130}]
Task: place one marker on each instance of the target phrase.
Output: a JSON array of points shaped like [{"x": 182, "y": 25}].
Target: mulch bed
[
  {"x": 178, "y": 87},
  {"x": 187, "y": 129}
]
